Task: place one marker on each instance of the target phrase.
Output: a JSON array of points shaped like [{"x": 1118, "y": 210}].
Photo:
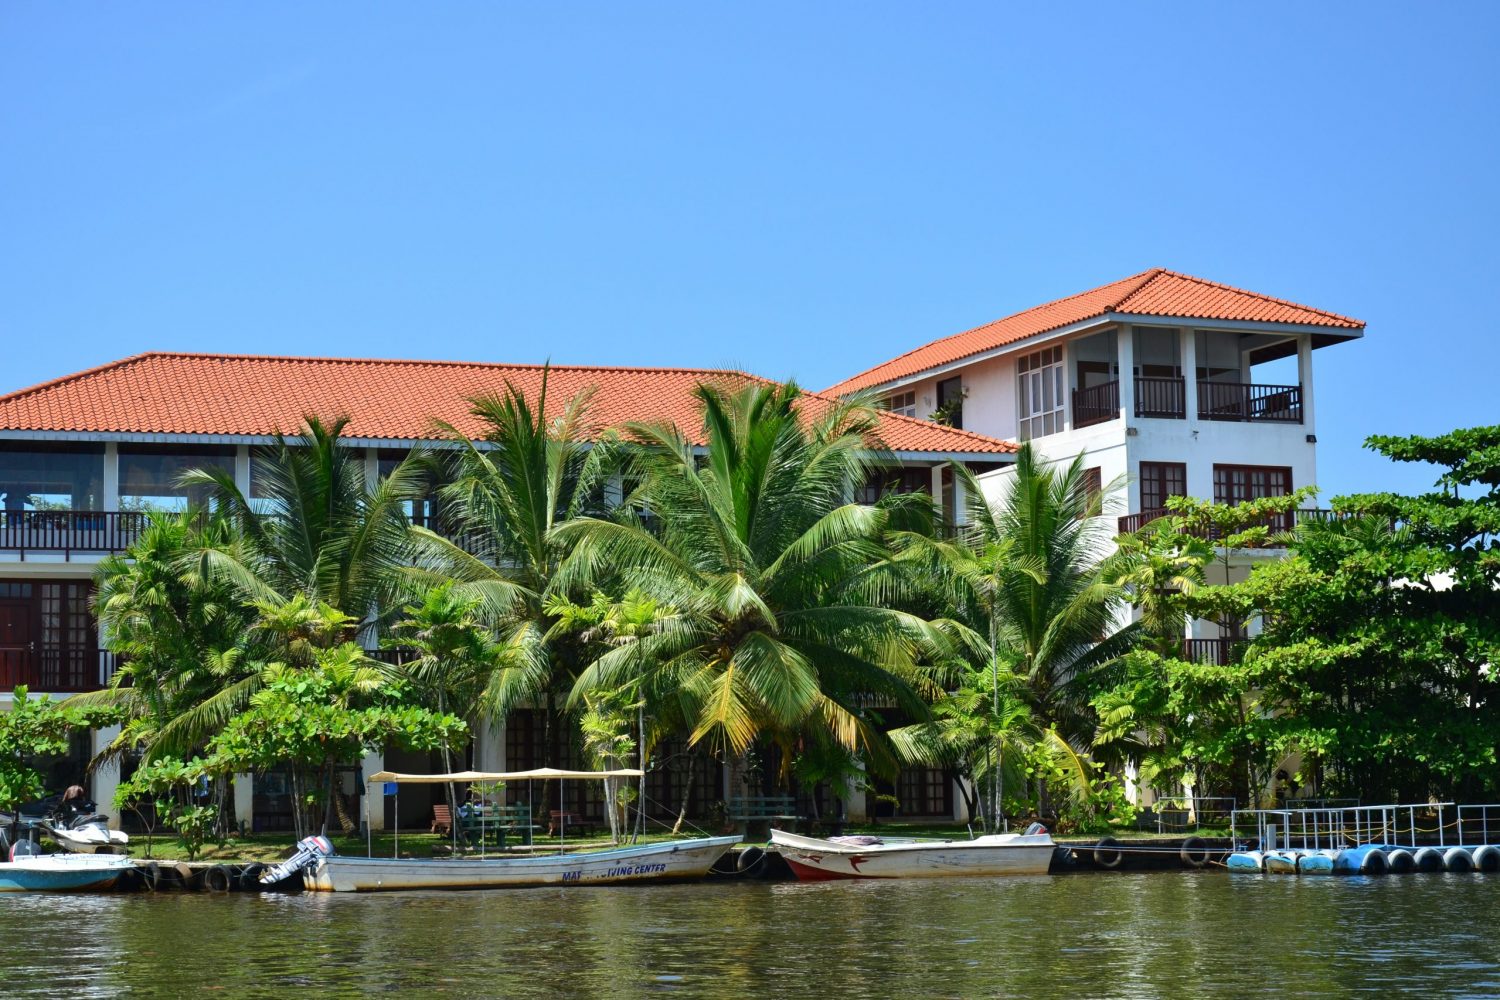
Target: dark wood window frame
[
  {"x": 1228, "y": 490},
  {"x": 1160, "y": 480}
]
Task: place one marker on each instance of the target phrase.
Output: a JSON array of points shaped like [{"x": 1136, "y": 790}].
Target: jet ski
[{"x": 74, "y": 825}]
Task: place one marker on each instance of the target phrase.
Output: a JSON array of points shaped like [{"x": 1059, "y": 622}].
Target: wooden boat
[
  {"x": 62, "y": 872},
  {"x": 677, "y": 859},
  {"x": 812, "y": 859}
]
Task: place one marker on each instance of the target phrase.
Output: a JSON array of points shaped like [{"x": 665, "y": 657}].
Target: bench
[
  {"x": 755, "y": 810},
  {"x": 565, "y": 821},
  {"x": 499, "y": 823}
]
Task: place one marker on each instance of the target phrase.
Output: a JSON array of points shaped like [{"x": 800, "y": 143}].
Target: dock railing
[
  {"x": 1176, "y": 813},
  {"x": 1334, "y": 827}
]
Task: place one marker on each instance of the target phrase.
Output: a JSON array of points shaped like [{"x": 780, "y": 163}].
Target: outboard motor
[{"x": 309, "y": 850}]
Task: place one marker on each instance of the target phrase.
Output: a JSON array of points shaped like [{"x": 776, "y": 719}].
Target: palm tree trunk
[{"x": 687, "y": 793}]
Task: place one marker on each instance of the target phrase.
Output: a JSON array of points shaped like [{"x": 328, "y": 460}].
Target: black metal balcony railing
[
  {"x": 1276, "y": 522},
  {"x": 1160, "y": 397},
  {"x": 1096, "y": 404},
  {"x": 63, "y": 671},
  {"x": 1245, "y": 402},
  {"x": 69, "y": 531}
]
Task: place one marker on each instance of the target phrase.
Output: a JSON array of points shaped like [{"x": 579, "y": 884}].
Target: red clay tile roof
[
  {"x": 240, "y": 395},
  {"x": 1157, "y": 292}
]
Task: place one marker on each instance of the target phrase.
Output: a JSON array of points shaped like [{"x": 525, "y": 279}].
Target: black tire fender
[
  {"x": 1107, "y": 853},
  {"x": 1194, "y": 853},
  {"x": 218, "y": 879}
]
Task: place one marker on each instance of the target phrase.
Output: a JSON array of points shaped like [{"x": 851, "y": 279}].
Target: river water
[{"x": 1105, "y": 935}]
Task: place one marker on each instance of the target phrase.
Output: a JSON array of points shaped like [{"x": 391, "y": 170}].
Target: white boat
[
  {"x": 62, "y": 872},
  {"x": 812, "y": 859},
  {"x": 678, "y": 859},
  {"x": 675, "y": 859}
]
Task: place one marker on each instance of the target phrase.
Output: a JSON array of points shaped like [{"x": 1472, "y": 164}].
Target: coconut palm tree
[
  {"x": 779, "y": 583},
  {"x": 318, "y": 528},
  {"x": 506, "y": 494},
  {"x": 189, "y": 659},
  {"x": 1026, "y": 573}
]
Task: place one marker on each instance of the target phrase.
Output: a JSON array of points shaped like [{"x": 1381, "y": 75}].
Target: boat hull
[
  {"x": 682, "y": 859},
  {"x": 63, "y": 873},
  {"x": 815, "y": 860}
]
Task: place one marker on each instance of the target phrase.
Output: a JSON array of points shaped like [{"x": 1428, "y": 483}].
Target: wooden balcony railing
[
  {"x": 63, "y": 671},
  {"x": 1277, "y": 522},
  {"x": 69, "y": 531},
  {"x": 1160, "y": 397},
  {"x": 1241, "y": 401},
  {"x": 1096, "y": 404}
]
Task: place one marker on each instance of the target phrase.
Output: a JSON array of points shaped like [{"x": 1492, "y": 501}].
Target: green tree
[
  {"x": 36, "y": 728},
  {"x": 781, "y": 585},
  {"x": 310, "y": 721},
  {"x": 1382, "y": 631},
  {"x": 187, "y": 658},
  {"x": 317, "y": 527},
  {"x": 506, "y": 494},
  {"x": 449, "y": 657}
]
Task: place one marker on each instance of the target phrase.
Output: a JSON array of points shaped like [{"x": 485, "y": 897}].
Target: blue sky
[{"x": 801, "y": 190}]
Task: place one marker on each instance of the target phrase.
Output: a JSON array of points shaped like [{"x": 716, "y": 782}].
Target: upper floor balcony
[
  {"x": 56, "y": 670},
  {"x": 1166, "y": 397},
  {"x": 69, "y": 533},
  {"x": 1278, "y": 524}
]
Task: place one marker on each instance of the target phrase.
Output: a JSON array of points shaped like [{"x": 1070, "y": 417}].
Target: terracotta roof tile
[
  {"x": 241, "y": 395},
  {"x": 1157, "y": 292}
]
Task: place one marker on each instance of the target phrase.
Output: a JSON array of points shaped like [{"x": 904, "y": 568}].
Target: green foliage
[
  {"x": 35, "y": 728},
  {"x": 169, "y": 785},
  {"x": 786, "y": 601}
]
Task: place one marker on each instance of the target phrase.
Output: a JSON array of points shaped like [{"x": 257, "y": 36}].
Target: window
[
  {"x": 149, "y": 475},
  {"x": 1160, "y": 480},
  {"x": 1093, "y": 481},
  {"x": 1234, "y": 484},
  {"x": 904, "y": 403},
  {"x": 1039, "y": 390},
  {"x": 950, "y": 402},
  {"x": 38, "y": 476},
  {"x": 883, "y": 482}
]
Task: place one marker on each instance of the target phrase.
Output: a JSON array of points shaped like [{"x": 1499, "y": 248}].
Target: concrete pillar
[
  {"x": 106, "y": 777},
  {"x": 242, "y": 470},
  {"x": 372, "y": 797},
  {"x": 1126, "y": 342},
  {"x": 1070, "y": 383},
  {"x": 1305, "y": 378},
  {"x": 111, "y": 499},
  {"x": 372, "y": 468},
  {"x": 244, "y": 802},
  {"x": 1189, "y": 353},
  {"x": 489, "y": 746}
]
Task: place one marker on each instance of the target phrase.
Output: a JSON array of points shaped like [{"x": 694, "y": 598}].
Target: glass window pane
[
  {"x": 36, "y": 476},
  {"x": 149, "y": 477}
]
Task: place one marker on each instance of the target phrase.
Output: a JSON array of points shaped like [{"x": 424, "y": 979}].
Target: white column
[
  {"x": 1305, "y": 376},
  {"x": 372, "y": 468},
  {"x": 1126, "y": 342},
  {"x": 106, "y": 777},
  {"x": 372, "y": 797},
  {"x": 242, "y": 469},
  {"x": 111, "y": 498},
  {"x": 1189, "y": 352},
  {"x": 489, "y": 746},
  {"x": 1070, "y": 383},
  {"x": 244, "y": 802}
]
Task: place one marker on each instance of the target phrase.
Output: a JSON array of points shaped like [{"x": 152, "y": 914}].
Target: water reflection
[{"x": 1202, "y": 934}]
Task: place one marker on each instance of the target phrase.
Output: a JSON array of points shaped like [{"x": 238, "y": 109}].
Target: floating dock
[{"x": 1366, "y": 840}]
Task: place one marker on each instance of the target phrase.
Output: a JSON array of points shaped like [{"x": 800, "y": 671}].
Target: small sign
[{"x": 390, "y": 787}]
